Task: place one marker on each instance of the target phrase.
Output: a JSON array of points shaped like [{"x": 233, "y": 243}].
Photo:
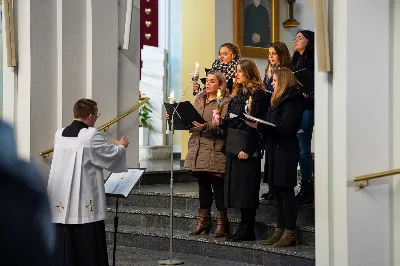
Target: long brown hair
[
  {"x": 252, "y": 76},
  {"x": 283, "y": 54},
  {"x": 285, "y": 79}
]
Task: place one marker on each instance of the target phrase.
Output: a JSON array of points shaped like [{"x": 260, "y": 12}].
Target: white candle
[
  {"x": 171, "y": 97},
  {"x": 197, "y": 67}
]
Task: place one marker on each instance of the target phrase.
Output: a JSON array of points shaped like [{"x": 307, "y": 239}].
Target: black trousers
[
  {"x": 285, "y": 206},
  {"x": 81, "y": 245},
  {"x": 211, "y": 186}
]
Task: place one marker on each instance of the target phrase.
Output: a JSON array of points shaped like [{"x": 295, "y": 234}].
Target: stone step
[
  {"x": 207, "y": 246},
  {"x": 187, "y": 221},
  {"x": 189, "y": 201},
  {"x": 128, "y": 256}
]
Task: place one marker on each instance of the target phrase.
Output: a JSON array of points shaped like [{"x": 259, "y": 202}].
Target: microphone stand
[{"x": 172, "y": 261}]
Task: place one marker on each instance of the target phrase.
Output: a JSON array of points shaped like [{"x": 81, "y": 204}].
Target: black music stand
[{"x": 120, "y": 185}]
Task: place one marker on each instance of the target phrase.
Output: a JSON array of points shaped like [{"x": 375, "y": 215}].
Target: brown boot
[
  {"x": 288, "y": 239},
  {"x": 222, "y": 224},
  {"x": 204, "y": 222},
  {"x": 274, "y": 238}
]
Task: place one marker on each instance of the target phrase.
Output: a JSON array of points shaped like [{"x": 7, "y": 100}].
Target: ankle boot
[
  {"x": 274, "y": 238},
  {"x": 204, "y": 222},
  {"x": 222, "y": 224},
  {"x": 306, "y": 193},
  {"x": 245, "y": 233},
  {"x": 288, "y": 239}
]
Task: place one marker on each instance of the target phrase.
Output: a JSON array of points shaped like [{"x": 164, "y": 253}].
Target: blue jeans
[{"x": 305, "y": 161}]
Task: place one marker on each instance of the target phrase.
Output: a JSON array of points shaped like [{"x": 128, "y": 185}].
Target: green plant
[{"x": 144, "y": 112}]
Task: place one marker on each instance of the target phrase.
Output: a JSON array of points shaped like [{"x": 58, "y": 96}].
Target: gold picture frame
[{"x": 238, "y": 28}]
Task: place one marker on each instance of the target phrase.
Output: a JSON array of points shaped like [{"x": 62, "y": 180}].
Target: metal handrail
[
  {"x": 364, "y": 179},
  {"x": 106, "y": 126}
]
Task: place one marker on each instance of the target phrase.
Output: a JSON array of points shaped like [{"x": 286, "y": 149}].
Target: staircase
[{"x": 144, "y": 223}]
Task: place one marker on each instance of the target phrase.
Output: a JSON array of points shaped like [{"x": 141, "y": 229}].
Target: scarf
[{"x": 227, "y": 69}]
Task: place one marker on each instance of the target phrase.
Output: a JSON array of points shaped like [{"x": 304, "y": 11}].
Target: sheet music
[{"x": 122, "y": 183}]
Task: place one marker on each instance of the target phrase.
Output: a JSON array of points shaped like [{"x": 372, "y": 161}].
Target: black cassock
[
  {"x": 80, "y": 244},
  {"x": 256, "y": 20}
]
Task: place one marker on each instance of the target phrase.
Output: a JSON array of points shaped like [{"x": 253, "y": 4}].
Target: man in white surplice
[{"x": 76, "y": 187}]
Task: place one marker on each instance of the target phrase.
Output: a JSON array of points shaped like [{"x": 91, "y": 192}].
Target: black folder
[
  {"x": 306, "y": 80},
  {"x": 184, "y": 115}
]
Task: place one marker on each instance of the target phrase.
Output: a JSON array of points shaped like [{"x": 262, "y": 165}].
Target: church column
[
  {"x": 354, "y": 226},
  {"x": 395, "y": 117}
]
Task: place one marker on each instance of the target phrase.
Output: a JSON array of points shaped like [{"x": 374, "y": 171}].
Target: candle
[
  {"x": 219, "y": 95},
  {"x": 171, "y": 97},
  {"x": 197, "y": 68}
]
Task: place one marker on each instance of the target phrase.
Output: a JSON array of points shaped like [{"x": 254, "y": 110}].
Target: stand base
[{"x": 171, "y": 262}]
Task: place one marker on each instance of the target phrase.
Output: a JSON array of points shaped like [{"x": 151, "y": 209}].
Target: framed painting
[{"x": 255, "y": 26}]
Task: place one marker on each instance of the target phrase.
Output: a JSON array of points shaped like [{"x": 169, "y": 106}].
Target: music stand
[{"x": 120, "y": 185}]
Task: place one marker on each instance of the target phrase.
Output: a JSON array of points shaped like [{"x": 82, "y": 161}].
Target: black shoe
[
  {"x": 245, "y": 234},
  {"x": 267, "y": 196},
  {"x": 305, "y": 193}
]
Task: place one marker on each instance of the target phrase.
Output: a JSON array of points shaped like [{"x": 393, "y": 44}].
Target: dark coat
[
  {"x": 281, "y": 145},
  {"x": 242, "y": 177}
]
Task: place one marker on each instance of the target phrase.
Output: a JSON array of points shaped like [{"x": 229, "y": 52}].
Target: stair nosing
[
  {"x": 184, "y": 235},
  {"x": 190, "y": 196},
  {"x": 191, "y": 215}
]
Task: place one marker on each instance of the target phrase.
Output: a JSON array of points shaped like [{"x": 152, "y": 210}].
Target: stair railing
[
  {"x": 364, "y": 179},
  {"x": 106, "y": 126}
]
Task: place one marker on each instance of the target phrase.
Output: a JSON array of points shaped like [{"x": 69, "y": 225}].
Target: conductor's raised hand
[
  {"x": 123, "y": 141},
  {"x": 243, "y": 155}
]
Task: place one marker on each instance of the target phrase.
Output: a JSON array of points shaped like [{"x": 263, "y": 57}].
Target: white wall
[{"x": 68, "y": 50}]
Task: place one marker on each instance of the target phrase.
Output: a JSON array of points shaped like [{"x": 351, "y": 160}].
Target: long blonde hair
[
  {"x": 252, "y": 76},
  {"x": 285, "y": 79}
]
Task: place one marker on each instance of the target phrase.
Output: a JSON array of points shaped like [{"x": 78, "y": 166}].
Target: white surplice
[{"x": 76, "y": 181}]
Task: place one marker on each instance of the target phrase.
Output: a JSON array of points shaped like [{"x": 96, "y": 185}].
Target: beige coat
[{"x": 205, "y": 144}]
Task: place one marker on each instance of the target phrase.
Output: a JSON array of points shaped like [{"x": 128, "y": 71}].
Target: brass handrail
[
  {"x": 364, "y": 179},
  {"x": 106, "y": 126}
]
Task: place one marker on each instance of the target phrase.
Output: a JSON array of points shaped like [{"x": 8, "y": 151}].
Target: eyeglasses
[
  {"x": 297, "y": 39},
  {"x": 97, "y": 114}
]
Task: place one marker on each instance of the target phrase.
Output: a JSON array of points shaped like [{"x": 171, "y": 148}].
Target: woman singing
[
  {"x": 282, "y": 153},
  {"x": 243, "y": 170},
  {"x": 228, "y": 58},
  {"x": 278, "y": 57},
  {"x": 205, "y": 159}
]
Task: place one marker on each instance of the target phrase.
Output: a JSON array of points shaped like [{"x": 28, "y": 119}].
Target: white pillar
[
  {"x": 128, "y": 80},
  {"x": 395, "y": 117},
  {"x": 353, "y": 137}
]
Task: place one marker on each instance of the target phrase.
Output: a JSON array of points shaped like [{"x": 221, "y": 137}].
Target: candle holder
[
  {"x": 195, "y": 79},
  {"x": 291, "y": 22}
]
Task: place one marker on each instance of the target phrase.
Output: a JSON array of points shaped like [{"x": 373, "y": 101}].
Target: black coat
[
  {"x": 281, "y": 145},
  {"x": 243, "y": 177}
]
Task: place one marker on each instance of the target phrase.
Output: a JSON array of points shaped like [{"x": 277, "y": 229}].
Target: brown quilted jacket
[{"x": 205, "y": 145}]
